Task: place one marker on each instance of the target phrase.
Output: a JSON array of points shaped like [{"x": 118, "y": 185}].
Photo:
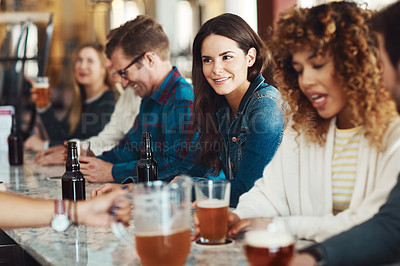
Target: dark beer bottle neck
[
  {"x": 147, "y": 151},
  {"x": 14, "y": 127},
  {"x": 72, "y": 163}
]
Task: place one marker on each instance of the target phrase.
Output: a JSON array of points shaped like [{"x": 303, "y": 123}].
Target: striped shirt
[
  {"x": 167, "y": 115},
  {"x": 344, "y": 166}
]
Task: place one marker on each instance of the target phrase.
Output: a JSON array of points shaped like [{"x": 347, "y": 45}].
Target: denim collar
[{"x": 245, "y": 100}]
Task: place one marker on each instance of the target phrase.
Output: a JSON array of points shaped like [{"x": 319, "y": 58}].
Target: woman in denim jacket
[{"x": 239, "y": 117}]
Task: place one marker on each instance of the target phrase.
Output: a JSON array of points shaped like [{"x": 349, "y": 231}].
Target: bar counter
[{"x": 81, "y": 245}]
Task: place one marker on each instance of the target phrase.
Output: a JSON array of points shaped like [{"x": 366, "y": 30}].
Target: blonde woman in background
[{"x": 92, "y": 105}]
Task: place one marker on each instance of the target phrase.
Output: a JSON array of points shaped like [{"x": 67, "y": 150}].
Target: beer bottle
[
  {"x": 73, "y": 181},
  {"x": 15, "y": 144},
  {"x": 147, "y": 169}
]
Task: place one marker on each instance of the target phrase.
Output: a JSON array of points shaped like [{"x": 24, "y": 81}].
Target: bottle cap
[{"x": 71, "y": 144}]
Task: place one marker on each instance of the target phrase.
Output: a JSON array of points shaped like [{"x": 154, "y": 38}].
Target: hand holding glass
[
  {"x": 212, "y": 198},
  {"x": 83, "y": 148},
  {"x": 162, "y": 222},
  {"x": 41, "y": 92}
]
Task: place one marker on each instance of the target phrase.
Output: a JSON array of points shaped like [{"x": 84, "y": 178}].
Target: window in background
[
  {"x": 247, "y": 9},
  {"x": 181, "y": 53},
  {"x": 123, "y": 11}
]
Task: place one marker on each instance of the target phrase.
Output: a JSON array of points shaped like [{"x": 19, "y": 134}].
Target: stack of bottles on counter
[
  {"x": 147, "y": 168},
  {"x": 73, "y": 181},
  {"x": 15, "y": 144}
]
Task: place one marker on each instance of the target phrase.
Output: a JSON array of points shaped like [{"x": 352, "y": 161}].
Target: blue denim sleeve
[{"x": 266, "y": 124}]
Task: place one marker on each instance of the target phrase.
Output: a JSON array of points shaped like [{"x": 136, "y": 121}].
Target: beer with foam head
[
  {"x": 163, "y": 249},
  {"x": 42, "y": 91},
  {"x": 213, "y": 218},
  {"x": 212, "y": 198},
  {"x": 263, "y": 247}
]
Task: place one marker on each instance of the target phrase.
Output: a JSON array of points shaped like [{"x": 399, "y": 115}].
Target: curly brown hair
[{"x": 340, "y": 29}]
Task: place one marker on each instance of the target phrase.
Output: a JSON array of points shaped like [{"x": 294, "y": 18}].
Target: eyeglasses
[{"x": 122, "y": 72}]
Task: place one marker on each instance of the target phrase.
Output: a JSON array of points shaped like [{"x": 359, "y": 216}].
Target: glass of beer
[
  {"x": 40, "y": 86},
  {"x": 83, "y": 148},
  {"x": 212, "y": 197},
  {"x": 162, "y": 222},
  {"x": 268, "y": 242}
]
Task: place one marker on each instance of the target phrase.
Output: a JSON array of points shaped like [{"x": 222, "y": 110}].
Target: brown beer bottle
[
  {"x": 15, "y": 144},
  {"x": 73, "y": 181},
  {"x": 147, "y": 169}
]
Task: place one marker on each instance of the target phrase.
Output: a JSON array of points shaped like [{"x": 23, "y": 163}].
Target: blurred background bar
[{"x": 40, "y": 35}]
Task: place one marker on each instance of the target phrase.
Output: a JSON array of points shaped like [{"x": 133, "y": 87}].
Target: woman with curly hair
[
  {"x": 340, "y": 154},
  {"x": 92, "y": 104},
  {"x": 238, "y": 115}
]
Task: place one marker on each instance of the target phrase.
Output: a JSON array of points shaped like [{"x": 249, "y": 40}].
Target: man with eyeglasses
[{"x": 139, "y": 51}]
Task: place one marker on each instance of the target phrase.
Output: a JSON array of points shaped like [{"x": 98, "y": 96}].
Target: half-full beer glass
[
  {"x": 268, "y": 242},
  {"x": 40, "y": 86},
  {"x": 162, "y": 222},
  {"x": 83, "y": 148},
  {"x": 212, "y": 197}
]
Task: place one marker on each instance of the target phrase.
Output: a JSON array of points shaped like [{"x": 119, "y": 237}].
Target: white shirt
[{"x": 125, "y": 112}]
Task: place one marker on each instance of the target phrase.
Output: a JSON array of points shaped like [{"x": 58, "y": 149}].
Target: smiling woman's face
[
  {"x": 225, "y": 65},
  {"x": 88, "y": 69},
  {"x": 317, "y": 81}
]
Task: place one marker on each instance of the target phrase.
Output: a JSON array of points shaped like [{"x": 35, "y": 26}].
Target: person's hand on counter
[
  {"x": 109, "y": 187},
  {"x": 101, "y": 210},
  {"x": 55, "y": 155},
  {"x": 96, "y": 170},
  {"x": 23, "y": 211},
  {"x": 34, "y": 143},
  {"x": 303, "y": 259}
]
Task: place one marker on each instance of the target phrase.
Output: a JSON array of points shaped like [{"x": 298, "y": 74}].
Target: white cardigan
[{"x": 296, "y": 185}]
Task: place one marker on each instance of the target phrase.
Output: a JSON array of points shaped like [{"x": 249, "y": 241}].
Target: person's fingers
[
  {"x": 239, "y": 226},
  {"x": 233, "y": 218},
  {"x": 196, "y": 220},
  {"x": 196, "y": 223},
  {"x": 303, "y": 259},
  {"x": 104, "y": 189},
  {"x": 84, "y": 169},
  {"x": 122, "y": 210},
  {"x": 90, "y": 178},
  {"x": 43, "y": 161},
  {"x": 84, "y": 159},
  {"x": 99, "y": 211},
  {"x": 93, "y": 193},
  {"x": 39, "y": 155}
]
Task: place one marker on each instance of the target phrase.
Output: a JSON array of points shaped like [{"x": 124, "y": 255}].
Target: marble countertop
[{"x": 81, "y": 245}]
